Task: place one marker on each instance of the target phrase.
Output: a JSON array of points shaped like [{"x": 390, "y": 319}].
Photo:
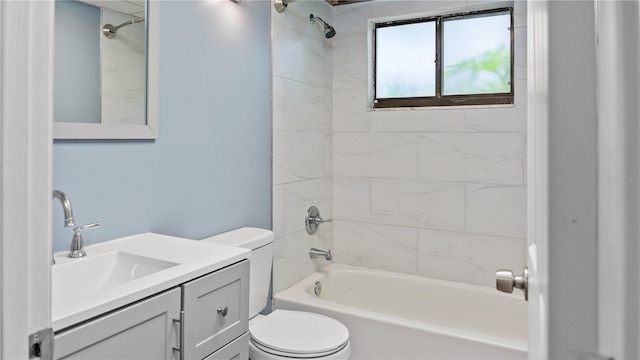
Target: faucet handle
[
  {"x": 88, "y": 226},
  {"x": 77, "y": 243}
]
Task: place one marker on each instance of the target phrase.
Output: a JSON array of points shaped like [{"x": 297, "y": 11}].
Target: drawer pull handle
[
  {"x": 223, "y": 311},
  {"x": 181, "y": 322}
]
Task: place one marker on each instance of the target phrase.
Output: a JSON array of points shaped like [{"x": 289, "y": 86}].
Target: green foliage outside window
[{"x": 490, "y": 72}]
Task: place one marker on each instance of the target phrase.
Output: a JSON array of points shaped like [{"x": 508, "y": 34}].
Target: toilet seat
[{"x": 298, "y": 334}]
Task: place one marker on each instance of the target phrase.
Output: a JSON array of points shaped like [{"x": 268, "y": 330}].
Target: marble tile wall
[
  {"x": 433, "y": 192},
  {"x": 123, "y": 71},
  {"x": 302, "y": 138}
]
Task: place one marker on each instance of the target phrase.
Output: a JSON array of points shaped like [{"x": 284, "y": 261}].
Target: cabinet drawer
[
  {"x": 140, "y": 331},
  {"x": 216, "y": 310},
  {"x": 238, "y": 349}
]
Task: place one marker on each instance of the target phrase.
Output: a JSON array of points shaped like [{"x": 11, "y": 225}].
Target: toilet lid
[{"x": 297, "y": 332}]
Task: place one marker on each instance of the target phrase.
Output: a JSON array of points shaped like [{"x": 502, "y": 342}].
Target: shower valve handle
[
  {"x": 319, "y": 220},
  {"x": 313, "y": 219}
]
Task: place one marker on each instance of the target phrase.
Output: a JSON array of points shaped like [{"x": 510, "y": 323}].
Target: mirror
[{"x": 106, "y": 69}]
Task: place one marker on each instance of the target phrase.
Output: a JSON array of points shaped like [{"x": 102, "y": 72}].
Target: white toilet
[{"x": 283, "y": 334}]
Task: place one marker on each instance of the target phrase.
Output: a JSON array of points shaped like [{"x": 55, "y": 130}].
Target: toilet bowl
[
  {"x": 282, "y": 334},
  {"x": 286, "y": 334}
]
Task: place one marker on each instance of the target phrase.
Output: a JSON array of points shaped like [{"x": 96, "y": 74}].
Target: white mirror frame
[{"x": 68, "y": 130}]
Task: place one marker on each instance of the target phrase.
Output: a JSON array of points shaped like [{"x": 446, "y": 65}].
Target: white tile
[
  {"x": 416, "y": 203},
  {"x": 375, "y": 155},
  {"x": 520, "y": 53},
  {"x": 352, "y": 24},
  {"x": 328, "y": 154},
  {"x": 382, "y": 247},
  {"x": 424, "y": 120},
  {"x": 297, "y": 57},
  {"x": 327, "y": 71},
  {"x": 468, "y": 258},
  {"x": 296, "y": 17},
  {"x": 497, "y": 210},
  {"x": 140, "y": 3},
  {"x": 481, "y": 157},
  {"x": 109, "y": 83},
  {"x": 520, "y": 13},
  {"x": 279, "y": 103},
  {"x": 291, "y": 261},
  {"x": 362, "y": 7},
  {"x": 109, "y": 60},
  {"x": 352, "y": 18},
  {"x": 125, "y": 107},
  {"x": 479, "y": 3},
  {"x": 279, "y": 214},
  {"x": 351, "y": 38},
  {"x": 352, "y": 199},
  {"x": 125, "y": 7},
  {"x": 297, "y": 156},
  {"x": 387, "y": 8},
  {"x": 132, "y": 74},
  {"x": 501, "y": 119},
  {"x": 350, "y": 66},
  {"x": 299, "y": 196},
  {"x": 306, "y": 107},
  {"x": 350, "y": 110}
]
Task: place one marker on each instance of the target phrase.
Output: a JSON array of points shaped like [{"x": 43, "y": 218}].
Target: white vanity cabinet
[
  {"x": 216, "y": 310},
  {"x": 144, "y": 330},
  {"x": 214, "y": 324}
]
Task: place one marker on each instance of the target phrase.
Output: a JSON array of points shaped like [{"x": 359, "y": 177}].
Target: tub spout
[{"x": 315, "y": 253}]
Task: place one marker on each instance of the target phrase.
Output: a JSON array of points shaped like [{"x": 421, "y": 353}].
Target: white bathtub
[{"x": 398, "y": 316}]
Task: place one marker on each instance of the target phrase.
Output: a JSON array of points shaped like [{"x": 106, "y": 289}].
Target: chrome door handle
[
  {"x": 223, "y": 311},
  {"x": 506, "y": 281}
]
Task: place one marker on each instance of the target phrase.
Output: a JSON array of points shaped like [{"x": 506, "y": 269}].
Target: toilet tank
[{"x": 260, "y": 241}]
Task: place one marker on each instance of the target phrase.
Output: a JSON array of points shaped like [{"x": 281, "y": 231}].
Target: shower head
[
  {"x": 110, "y": 31},
  {"x": 329, "y": 31}
]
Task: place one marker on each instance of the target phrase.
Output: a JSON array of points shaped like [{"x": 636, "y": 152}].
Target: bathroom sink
[
  {"x": 122, "y": 271},
  {"x": 90, "y": 275}
]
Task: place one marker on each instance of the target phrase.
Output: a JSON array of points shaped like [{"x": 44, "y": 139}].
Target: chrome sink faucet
[
  {"x": 66, "y": 207},
  {"x": 77, "y": 243},
  {"x": 315, "y": 253},
  {"x": 69, "y": 221}
]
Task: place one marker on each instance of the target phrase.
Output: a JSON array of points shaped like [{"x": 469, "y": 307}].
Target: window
[{"x": 448, "y": 60}]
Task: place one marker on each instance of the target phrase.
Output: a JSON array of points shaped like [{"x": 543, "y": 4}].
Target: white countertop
[{"x": 193, "y": 259}]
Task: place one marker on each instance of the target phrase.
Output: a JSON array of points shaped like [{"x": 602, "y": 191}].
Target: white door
[
  {"x": 25, "y": 173},
  {"x": 619, "y": 178},
  {"x": 564, "y": 169},
  {"x": 584, "y": 179}
]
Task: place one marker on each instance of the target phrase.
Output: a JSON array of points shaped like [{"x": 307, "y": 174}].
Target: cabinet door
[
  {"x": 144, "y": 330},
  {"x": 238, "y": 349},
  {"x": 216, "y": 310}
]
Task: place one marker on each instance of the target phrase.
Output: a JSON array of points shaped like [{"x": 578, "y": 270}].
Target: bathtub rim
[{"x": 298, "y": 294}]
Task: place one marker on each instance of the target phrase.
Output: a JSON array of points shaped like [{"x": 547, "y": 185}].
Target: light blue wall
[{"x": 210, "y": 170}]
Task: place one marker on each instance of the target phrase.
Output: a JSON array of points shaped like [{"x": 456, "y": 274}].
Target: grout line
[{"x": 430, "y": 229}]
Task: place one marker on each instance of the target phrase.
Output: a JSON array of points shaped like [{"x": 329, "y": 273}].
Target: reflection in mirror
[{"x": 100, "y": 68}]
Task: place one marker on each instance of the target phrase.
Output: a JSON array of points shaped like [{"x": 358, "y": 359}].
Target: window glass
[
  {"x": 454, "y": 59},
  {"x": 405, "y": 60},
  {"x": 476, "y": 54}
]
